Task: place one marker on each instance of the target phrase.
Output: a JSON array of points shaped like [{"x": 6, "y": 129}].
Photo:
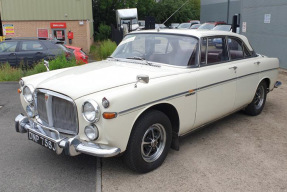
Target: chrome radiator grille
[{"x": 57, "y": 111}]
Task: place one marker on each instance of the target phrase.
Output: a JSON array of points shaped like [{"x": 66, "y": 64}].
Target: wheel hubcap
[
  {"x": 259, "y": 97},
  {"x": 153, "y": 142}
]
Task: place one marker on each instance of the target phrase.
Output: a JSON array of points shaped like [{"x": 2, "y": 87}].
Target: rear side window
[
  {"x": 216, "y": 50},
  {"x": 8, "y": 47},
  {"x": 31, "y": 46},
  {"x": 235, "y": 49}
]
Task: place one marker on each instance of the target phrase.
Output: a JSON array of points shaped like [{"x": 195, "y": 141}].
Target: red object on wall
[
  {"x": 70, "y": 35},
  {"x": 58, "y": 25},
  {"x": 43, "y": 33}
]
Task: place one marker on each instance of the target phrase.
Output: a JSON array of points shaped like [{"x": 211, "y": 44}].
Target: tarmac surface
[
  {"x": 27, "y": 167},
  {"x": 237, "y": 153}
]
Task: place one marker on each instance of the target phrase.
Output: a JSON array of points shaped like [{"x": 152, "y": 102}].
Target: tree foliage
[{"x": 105, "y": 10}]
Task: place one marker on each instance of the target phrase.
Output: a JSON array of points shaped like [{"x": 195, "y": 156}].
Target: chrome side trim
[
  {"x": 152, "y": 102},
  {"x": 187, "y": 92}
]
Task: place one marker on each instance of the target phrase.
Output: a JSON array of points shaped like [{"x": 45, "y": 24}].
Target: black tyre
[
  {"x": 149, "y": 142},
  {"x": 258, "y": 102}
]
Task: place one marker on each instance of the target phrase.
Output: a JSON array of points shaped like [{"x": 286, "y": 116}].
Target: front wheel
[
  {"x": 149, "y": 142},
  {"x": 258, "y": 102}
]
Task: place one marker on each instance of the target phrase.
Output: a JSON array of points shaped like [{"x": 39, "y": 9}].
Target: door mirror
[
  {"x": 142, "y": 79},
  {"x": 46, "y": 63}
]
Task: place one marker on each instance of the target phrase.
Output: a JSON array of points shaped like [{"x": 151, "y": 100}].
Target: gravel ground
[{"x": 237, "y": 153}]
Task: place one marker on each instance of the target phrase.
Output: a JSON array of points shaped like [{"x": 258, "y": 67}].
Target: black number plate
[{"x": 41, "y": 141}]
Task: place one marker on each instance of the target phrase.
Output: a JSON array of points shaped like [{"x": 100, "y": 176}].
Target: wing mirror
[
  {"x": 142, "y": 79},
  {"x": 46, "y": 63}
]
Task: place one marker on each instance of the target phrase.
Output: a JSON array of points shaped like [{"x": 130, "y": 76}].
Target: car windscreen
[
  {"x": 222, "y": 28},
  {"x": 207, "y": 26},
  {"x": 170, "y": 49},
  {"x": 184, "y": 25}
]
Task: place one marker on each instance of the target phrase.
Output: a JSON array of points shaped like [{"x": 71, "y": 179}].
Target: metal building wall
[
  {"x": 17, "y": 10},
  {"x": 269, "y": 39},
  {"x": 217, "y": 10}
]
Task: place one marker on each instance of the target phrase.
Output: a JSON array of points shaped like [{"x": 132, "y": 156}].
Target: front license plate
[{"x": 41, "y": 141}]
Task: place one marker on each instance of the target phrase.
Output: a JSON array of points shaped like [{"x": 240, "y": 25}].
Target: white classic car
[{"x": 156, "y": 87}]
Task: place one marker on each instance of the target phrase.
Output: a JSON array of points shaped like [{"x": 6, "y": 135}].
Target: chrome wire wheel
[
  {"x": 153, "y": 143},
  {"x": 259, "y": 97}
]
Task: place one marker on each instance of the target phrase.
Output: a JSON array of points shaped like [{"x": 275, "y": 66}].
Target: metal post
[{"x": 228, "y": 6}]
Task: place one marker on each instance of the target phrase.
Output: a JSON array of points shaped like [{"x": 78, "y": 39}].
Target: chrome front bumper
[{"x": 71, "y": 146}]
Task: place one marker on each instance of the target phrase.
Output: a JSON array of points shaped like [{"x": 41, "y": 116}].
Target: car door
[
  {"x": 216, "y": 82},
  {"x": 31, "y": 51},
  {"x": 246, "y": 71},
  {"x": 8, "y": 52}
]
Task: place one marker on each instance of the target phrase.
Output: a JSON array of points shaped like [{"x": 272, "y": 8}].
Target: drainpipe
[{"x": 228, "y": 6}]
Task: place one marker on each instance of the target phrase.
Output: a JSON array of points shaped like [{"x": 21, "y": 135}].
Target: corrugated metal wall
[
  {"x": 216, "y": 10},
  {"x": 17, "y": 10},
  {"x": 269, "y": 39}
]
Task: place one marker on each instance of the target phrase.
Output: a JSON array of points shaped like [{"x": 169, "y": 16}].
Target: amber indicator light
[
  {"x": 19, "y": 91},
  {"x": 107, "y": 115}
]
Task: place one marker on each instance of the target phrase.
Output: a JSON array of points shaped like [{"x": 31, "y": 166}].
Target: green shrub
[
  {"x": 104, "y": 32},
  {"x": 38, "y": 68},
  {"x": 107, "y": 47},
  {"x": 8, "y": 73},
  {"x": 61, "y": 62}
]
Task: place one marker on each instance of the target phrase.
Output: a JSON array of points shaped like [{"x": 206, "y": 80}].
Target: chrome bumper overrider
[{"x": 71, "y": 146}]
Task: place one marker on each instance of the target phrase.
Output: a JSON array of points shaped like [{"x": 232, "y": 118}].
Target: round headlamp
[
  {"x": 91, "y": 111},
  {"x": 91, "y": 132},
  {"x": 28, "y": 93}
]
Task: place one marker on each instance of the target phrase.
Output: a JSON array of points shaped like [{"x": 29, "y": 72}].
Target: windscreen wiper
[{"x": 143, "y": 59}]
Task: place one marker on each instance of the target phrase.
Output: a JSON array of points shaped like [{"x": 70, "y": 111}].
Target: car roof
[{"x": 198, "y": 34}]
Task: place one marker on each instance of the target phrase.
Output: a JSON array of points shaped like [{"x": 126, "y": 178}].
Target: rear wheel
[
  {"x": 149, "y": 142},
  {"x": 258, "y": 102}
]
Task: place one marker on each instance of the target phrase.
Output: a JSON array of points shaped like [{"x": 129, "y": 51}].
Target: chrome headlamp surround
[
  {"x": 21, "y": 83},
  {"x": 94, "y": 113},
  {"x": 28, "y": 91},
  {"x": 92, "y": 132}
]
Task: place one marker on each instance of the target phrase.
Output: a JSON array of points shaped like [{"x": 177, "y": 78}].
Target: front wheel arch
[{"x": 170, "y": 111}]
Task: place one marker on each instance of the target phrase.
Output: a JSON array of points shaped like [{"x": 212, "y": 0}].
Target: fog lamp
[{"x": 92, "y": 132}]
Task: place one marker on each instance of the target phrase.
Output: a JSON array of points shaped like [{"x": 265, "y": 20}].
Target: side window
[
  {"x": 216, "y": 50},
  {"x": 203, "y": 51},
  {"x": 235, "y": 49},
  {"x": 31, "y": 46},
  {"x": 8, "y": 47}
]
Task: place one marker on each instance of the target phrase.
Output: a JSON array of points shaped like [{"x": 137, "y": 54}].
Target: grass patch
[
  {"x": 102, "y": 49},
  {"x": 8, "y": 73}
]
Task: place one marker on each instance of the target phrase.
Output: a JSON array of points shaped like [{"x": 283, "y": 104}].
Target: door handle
[
  {"x": 258, "y": 62},
  {"x": 233, "y": 68}
]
